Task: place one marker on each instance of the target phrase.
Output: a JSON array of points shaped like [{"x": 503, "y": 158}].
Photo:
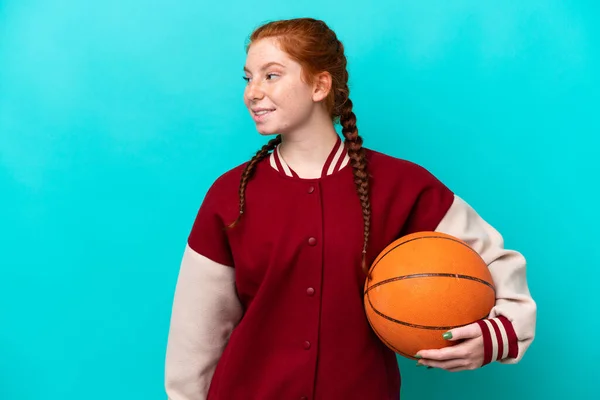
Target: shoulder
[
  {"x": 217, "y": 210},
  {"x": 382, "y": 161},
  {"x": 399, "y": 170},
  {"x": 220, "y": 203},
  {"x": 230, "y": 178},
  {"x": 225, "y": 185},
  {"x": 409, "y": 186}
]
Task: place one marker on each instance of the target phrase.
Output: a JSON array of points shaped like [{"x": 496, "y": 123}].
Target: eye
[
  {"x": 271, "y": 75},
  {"x": 247, "y": 79}
]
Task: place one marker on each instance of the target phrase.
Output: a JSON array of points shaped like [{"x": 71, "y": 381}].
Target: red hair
[{"x": 316, "y": 48}]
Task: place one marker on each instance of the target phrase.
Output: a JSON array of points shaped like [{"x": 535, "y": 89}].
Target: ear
[{"x": 322, "y": 86}]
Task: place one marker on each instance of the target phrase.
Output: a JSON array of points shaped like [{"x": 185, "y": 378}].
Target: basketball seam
[
  {"x": 433, "y": 274},
  {"x": 414, "y": 325},
  {"x": 420, "y": 238},
  {"x": 385, "y": 341}
]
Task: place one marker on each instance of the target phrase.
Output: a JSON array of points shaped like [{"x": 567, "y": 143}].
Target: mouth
[{"x": 260, "y": 114}]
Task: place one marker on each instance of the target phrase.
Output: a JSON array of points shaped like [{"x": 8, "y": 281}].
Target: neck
[{"x": 306, "y": 150}]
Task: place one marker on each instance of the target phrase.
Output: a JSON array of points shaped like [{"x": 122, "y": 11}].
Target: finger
[
  {"x": 446, "y": 353},
  {"x": 464, "y": 332},
  {"x": 456, "y": 363}
]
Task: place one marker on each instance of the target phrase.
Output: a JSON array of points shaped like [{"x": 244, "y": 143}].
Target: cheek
[{"x": 297, "y": 99}]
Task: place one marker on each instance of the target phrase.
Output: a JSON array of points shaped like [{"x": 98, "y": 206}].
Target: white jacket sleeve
[
  {"x": 512, "y": 321},
  {"x": 205, "y": 311}
]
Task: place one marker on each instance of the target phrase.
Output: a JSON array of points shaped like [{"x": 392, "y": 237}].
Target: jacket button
[
  {"x": 306, "y": 345},
  {"x": 312, "y": 241},
  {"x": 311, "y": 189},
  {"x": 310, "y": 291}
]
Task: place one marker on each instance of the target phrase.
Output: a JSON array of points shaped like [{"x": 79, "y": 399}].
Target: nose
[{"x": 254, "y": 91}]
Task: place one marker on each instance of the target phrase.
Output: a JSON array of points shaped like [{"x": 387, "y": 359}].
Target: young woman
[{"x": 268, "y": 303}]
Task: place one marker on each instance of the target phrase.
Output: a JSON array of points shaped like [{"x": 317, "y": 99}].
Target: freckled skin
[{"x": 280, "y": 88}]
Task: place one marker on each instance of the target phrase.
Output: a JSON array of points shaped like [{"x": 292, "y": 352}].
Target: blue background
[{"x": 116, "y": 116}]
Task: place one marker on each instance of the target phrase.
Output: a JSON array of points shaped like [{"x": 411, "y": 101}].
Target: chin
[{"x": 266, "y": 132}]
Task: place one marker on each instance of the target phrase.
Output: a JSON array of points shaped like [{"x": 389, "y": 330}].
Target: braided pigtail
[
  {"x": 249, "y": 171},
  {"x": 358, "y": 160}
]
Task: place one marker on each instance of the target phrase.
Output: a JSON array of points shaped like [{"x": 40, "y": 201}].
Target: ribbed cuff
[{"x": 499, "y": 339}]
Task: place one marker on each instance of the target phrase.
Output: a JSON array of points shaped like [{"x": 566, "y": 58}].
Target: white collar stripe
[
  {"x": 339, "y": 160},
  {"x": 346, "y": 161},
  {"x": 334, "y": 162},
  {"x": 272, "y": 162},
  {"x": 284, "y": 165}
]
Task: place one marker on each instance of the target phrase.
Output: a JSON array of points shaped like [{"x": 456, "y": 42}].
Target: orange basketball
[{"x": 422, "y": 285}]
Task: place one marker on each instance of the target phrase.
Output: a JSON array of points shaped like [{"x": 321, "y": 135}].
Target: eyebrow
[{"x": 267, "y": 65}]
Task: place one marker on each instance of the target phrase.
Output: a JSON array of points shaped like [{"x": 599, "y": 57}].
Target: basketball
[{"x": 422, "y": 285}]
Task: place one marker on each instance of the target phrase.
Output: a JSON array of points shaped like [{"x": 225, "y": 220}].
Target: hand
[{"x": 467, "y": 355}]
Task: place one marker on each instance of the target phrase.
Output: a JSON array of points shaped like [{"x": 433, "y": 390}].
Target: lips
[
  {"x": 259, "y": 114},
  {"x": 262, "y": 111}
]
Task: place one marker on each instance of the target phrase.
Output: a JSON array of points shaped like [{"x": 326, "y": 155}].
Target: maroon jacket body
[{"x": 292, "y": 324}]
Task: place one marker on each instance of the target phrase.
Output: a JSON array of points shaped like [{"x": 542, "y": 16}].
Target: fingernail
[
  {"x": 420, "y": 365},
  {"x": 418, "y": 356},
  {"x": 447, "y": 335}
]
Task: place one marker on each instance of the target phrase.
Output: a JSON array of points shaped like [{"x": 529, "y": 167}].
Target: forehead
[{"x": 265, "y": 51}]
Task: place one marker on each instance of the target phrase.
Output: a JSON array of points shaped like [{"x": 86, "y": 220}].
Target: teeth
[{"x": 263, "y": 112}]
